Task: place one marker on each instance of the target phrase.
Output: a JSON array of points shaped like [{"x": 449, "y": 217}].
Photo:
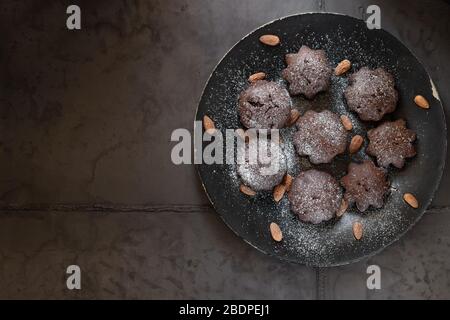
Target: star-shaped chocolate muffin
[
  {"x": 320, "y": 135},
  {"x": 315, "y": 196},
  {"x": 308, "y": 72},
  {"x": 371, "y": 93},
  {"x": 365, "y": 184},
  {"x": 264, "y": 105},
  {"x": 262, "y": 175},
  {"x": 391, "y": 143}
]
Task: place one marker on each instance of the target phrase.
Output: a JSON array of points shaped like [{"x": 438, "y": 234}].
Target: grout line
[
  {"x": 437, "y": 209},
  {"x": 110, "y": 208},
  {"x": 321, "y": 277}
]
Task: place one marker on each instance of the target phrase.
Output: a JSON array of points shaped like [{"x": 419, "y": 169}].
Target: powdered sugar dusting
[
  {"x": 259, "y": 175},
  {"x": 315, "y": 196},
  {"x": 321, "y": 136}
]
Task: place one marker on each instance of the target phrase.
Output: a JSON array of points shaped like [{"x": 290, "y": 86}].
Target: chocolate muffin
[
  {"x": 321, "y": 136},
  {"x": 371, "y": 93},
  {"x": 264, "y": 105},
  {"x": 365, "y": 184},
  {"x": 391, "y": 143},
  {"x": 315, "y": 196},
  {"x": 308, "y": 72},
  {"x": 257, "y": 173}
]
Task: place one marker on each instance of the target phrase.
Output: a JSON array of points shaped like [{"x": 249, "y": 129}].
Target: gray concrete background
[{"x": 85, "y": 170}]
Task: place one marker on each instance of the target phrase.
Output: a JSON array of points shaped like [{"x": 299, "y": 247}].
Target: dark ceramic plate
[{"x": 331, "y": 243}]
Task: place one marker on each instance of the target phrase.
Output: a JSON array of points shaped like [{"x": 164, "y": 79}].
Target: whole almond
[
  {"x": 278, "y": 192},
  {"x": 275, "y": 231},
  {"x": 342, "y": 209},
  {"x": 256, "y": 76},
  {"x": 247, "y": 190},
  {"x": 270, "y": 40},
  {"x": 346, "y": 122},
  {"x": 295, "y": 114},
  {"x": 208, "y": 123},
  {"x": 355, "y": 144},
  {"x": 421, "y": 102},
  {"x": 411, "y": 200},
  {"x": 343, "y": 67},
  {"x": 357, "y": 230},
  {"x": 287, "y": 181}
]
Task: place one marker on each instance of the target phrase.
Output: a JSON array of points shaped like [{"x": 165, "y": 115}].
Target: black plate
[{"x": 331, "y": 243}]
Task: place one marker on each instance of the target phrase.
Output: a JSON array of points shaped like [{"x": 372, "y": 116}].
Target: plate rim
[{"x": 443, "y": 159}]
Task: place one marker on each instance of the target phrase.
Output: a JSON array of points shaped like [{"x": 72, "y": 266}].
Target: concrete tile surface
[
  {"x": 416, "y": 267},
  {"x": 85, "y": 170},
  {"x": 166, "y": 255}
]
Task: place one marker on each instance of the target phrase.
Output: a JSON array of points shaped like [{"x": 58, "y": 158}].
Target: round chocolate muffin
[
  {"x": 321, "y": 136},
  {"x": 264, "y": 105},
  {"x": 371, "y": 93},
  {"x": 391, "y": 143},
  {"x": 315, "y": 196},
  {"x": 308, "y": 72},
  {"x": 259, "y": 172},
  {"x": 365, "y": 184}
]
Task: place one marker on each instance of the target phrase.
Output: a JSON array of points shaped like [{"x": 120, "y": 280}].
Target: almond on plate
[
  {"x": 342, "y": 209},
  {"x": 355, "y": 144},
  {"x": 278, "y": 192},
  {"x": 287, "y": 181},
  {"x": 342, "y": 67},
  {"x": 208, "y": 124},
  {"x": 421, "y": 102},
  {"x": 411, "y": 200},
  {"x": 295, "y": 114},
  {"x": 357, "y": 230},
  {"x": 270, "y": 40},
  {"x": 346, "y": 122},
  {"x": 275, "y": 231},
  {"x": 246, "y": 190},
  {"x": 257, "y": 76}
]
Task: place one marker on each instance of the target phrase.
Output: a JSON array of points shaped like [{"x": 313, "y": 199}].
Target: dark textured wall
[{"x": 85, "y": 170}]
